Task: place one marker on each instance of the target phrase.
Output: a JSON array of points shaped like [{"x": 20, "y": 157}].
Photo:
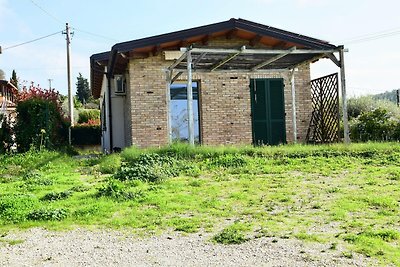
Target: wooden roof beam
[
  {"x": 205, "y": 40},
  {"x": 273, "y": 59},
  {"x": 231, "y": 34},
  {"x": 198, "y": 59},
  {"x": 156, "y": 50},
  {"x": 228, "y": 58},
  {"x": 255, "y": 40}
]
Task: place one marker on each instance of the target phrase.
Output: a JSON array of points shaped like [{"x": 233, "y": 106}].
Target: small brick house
[{"x": 233, "y": 82}]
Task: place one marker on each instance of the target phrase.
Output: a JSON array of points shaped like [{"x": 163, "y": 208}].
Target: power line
[
  {"x": 372, "y": 36},
  {"x": 28, "y": 42},
  {"x": 48, "y": 13},
  {"x": 95, "y": 34}
]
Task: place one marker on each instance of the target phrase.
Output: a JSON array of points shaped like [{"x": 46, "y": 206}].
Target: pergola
[
  {"x": 267, "y": 49},
  {"x": 205, "y": 59}
]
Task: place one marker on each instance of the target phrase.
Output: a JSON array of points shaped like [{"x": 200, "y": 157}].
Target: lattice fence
[{"x": 324, "y": 123}]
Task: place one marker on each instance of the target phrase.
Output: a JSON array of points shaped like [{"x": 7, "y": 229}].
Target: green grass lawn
[{"x": 337, "y": 195}]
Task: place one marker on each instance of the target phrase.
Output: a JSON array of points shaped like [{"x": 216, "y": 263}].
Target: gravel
[{"x": 83, "y": 247}]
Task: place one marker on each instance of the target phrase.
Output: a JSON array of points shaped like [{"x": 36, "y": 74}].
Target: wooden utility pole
[
  {"x": 70, "y": 96},
  {"x": 49, "y": 83}
]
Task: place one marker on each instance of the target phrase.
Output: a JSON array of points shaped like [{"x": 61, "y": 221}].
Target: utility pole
[
  {"x": 49, "y": 83},
  {"x": 70, "y": 99}
]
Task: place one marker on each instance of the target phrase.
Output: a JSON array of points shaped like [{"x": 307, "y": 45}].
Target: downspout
[{"x": 110, "y": 112}]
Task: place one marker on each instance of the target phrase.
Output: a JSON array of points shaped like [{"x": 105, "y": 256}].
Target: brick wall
[{"x": 225, "y": 105}]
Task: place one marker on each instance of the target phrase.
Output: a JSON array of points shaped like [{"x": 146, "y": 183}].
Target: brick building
[{"x": 249, "y": 83}]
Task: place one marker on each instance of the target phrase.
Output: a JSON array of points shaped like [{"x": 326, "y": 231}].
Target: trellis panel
[{"x": 324, "y": 123}]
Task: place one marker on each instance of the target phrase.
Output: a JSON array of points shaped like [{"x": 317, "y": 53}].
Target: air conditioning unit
[{"x": 120, "y": 84}]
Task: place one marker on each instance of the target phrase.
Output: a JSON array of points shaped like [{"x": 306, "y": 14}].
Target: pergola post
[
  {"x": 168, "y": 74},
  {"x": 190, "y": 98},
  {"x": 294, "y": 113},
  {"x": 344, "y": 99}
]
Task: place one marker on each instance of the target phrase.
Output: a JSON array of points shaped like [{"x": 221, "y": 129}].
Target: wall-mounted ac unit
[{"x": 120, "y": 84}]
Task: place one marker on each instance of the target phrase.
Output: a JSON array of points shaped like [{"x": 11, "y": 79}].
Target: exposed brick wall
[{"x": 225, "y": 106}]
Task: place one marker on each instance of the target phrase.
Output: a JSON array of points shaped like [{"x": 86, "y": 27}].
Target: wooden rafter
[
  {"x": 227, "y": 59},
  {"x": 255, "y": 40},
  {"x": 273, "y": 59},
  {"x": 231, "y": 34},
  {"x": 205, "y": 40}
]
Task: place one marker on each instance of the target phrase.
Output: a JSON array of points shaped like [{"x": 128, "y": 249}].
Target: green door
[{"x": 268, "y": 111}]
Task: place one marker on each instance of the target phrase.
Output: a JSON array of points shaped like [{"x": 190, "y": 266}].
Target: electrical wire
[
  {"x": 28, "y": 42},
  {"x": 48, "y": 13},
  {"x": 95, "y": 34},
  {"x": 373, "y": 36}
]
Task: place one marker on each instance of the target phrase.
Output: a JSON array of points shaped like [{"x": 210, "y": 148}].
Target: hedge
[{"x": 86, "y": 135}]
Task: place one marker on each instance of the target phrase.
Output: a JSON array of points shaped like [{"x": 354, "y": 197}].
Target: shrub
[
  {"x": 359, "y": 105},
  {"x": 40, "y": 121},
  {"x": 47, "y": 214},
  {"x": 86, "y": 135},
  {"x": 88, "y": 114},
  {"x": 53, "y": 196},
  {"x": 6, "y": 134},
  {"x": 373, "y": 126},
  {"x": 230, "y": 235},
  {"x": 149, "y": 167},
  {"x": 117, "y": 190}
]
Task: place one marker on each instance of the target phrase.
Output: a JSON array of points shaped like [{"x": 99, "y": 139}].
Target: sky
[{"x": 370, "y": 29}]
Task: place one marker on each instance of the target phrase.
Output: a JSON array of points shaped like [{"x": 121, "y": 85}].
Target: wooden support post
[
  {"x": 168, "y": 74},
  {"x": 190, "y": 98},
  {"x": 294, "y": 113},
  {"x": 344, "y": 100}
]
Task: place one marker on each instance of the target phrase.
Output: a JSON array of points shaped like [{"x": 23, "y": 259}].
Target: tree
[
  {"x": 14, "y": 79},
  {"x": 82, "y": 89}
]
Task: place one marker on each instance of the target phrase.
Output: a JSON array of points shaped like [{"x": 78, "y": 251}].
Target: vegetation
[
  {"x": 82, "y": 89},
  {"x": 350, "y": 202},
  {"x": 373, "y": 118},
  {"x": 40, "y": 121}
]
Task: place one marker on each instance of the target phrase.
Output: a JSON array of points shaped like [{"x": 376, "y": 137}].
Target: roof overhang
[{"x": 280, "y": 50}]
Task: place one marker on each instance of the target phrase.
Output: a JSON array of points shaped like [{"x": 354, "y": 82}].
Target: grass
[{"x": 331, "y": 194}]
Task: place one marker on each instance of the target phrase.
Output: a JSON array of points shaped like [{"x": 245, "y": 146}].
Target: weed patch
[
  {"x": 47, "y": 214},
  {"x": 234, "y": 234}
]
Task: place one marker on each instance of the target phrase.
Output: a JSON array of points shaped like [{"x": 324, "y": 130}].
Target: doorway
[{"x": 268, "y": 111}]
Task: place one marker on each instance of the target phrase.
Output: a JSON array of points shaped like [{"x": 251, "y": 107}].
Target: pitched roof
[{"x": 266, "y": 35}]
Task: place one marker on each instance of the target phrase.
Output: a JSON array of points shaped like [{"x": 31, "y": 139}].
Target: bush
[
  {"x": 147, "y": 167},
  {"x": 48, "y": 214},
  {"x": 86, "y": 135},
  {"x": 40, "y": 121},
  {"x": 117, "y": 190},
  {"x": 374, "y": 125},
  {"x": 6, "y": 133},
  {"x": 88, "y": 114},
  {"x": 363, "y": 104},
  {"x": 230, "y": 235},
  {"x": 53, "y": 196}
]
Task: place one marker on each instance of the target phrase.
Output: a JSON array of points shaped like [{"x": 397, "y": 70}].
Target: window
[{"x": 179, "y": 114}]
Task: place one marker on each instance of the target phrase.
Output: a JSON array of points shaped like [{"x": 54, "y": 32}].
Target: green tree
[
  {"x": 82, "y": 89},
  {"x": 14, "y": 79}
]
